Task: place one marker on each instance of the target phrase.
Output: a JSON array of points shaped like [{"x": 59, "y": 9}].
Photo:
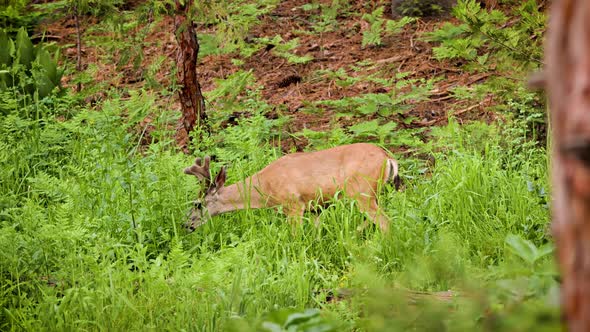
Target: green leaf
[
  {"x": 43, "y": 83},
  {"x": 48, "y": 65},
  {"x": 394, "y": 27},
  {"x": 271, "y": 327},
  {"x": 381, "y": 98},
  {"x": 386, "y": 129},
  {"x": 301, "y": 317},
  {"x": 545, "y": 250},
  {"x": 375, "y": 15},
  {"x": 367, "y": 108},
  {"x": 310, "y": 6},
  {"x": 447, "y": 31},
  {"x": 5, "y": 46},
  {"x": 365, "y": 128},
  {"x": 25, "y": 51},
  {"x": 524, "y": 249},
  {"x": 482, "y": 59},
  {"x": 5, "y": 79},
  {"x": 372, "y": 36}
]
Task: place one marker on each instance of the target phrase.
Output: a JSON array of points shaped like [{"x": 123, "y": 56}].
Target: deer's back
[{"x": 304, "y": 175}]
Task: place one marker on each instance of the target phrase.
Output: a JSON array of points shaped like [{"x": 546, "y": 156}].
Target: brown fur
[{"x": 295, "y": 180}]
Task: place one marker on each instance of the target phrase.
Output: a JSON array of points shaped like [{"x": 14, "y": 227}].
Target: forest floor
[{"x": 289, "y": 86}]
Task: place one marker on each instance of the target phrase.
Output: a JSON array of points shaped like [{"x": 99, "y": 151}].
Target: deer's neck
[{"x": 238, "y": 196}]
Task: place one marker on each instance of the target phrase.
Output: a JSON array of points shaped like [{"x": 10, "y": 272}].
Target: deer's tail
[{"x": 393, "y": 173}]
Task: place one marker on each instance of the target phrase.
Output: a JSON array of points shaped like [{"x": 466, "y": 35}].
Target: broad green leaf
[
  {"x": 545, "y": 250},
  {"x": 271, "y": 327},
  {"x": 524, "y": 249},
  {"x": 25, "y": 51},
  {"x": 43, "y": 84},
  {"x": 301, "y": 317},
  {"x": 5, "y": 43},
  {"x": 47, "y": 65}
]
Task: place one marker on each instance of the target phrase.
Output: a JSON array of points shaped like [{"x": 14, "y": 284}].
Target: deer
[{"x": 296, "y": 180}]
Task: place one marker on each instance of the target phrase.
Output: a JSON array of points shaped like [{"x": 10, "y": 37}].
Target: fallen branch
[
  {"x": 393, "y": 59},
  {"x": 446, "y": 296},
  {"x": 413, "y": 297},
  {"x": 459, "y": 112},
  {"x": 454, "y": 70},
  {"x": 478, "y": 78},
  {"x": 445, "y": 90},
  {"x": 441, "y": 98}
]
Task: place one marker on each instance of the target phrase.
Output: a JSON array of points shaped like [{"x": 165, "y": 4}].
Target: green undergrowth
[
  {"x": 93, "y": 199},
  {"x": 91, "y": 233}
]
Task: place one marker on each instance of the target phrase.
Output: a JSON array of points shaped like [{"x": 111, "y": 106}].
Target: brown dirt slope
[{"x": 290, "y": 86}]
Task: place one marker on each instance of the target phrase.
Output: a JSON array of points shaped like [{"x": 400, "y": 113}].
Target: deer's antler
[{"x": 200, "y": 169}]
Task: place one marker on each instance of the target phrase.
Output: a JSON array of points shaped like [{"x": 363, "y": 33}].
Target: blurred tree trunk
[
  {"x": 490, "y": 4},
  {"x": 568, "y": 84},
  {"x": 76, "y": 13},
  {"x": 191, "y": 99}
]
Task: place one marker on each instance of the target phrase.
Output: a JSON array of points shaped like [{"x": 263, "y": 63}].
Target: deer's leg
[
  {"x": 294, "y": 211},
  {"x": 365, "y": 194},
  {"x": 316, "y": 220},
  {"x": 368, "y": 205}
]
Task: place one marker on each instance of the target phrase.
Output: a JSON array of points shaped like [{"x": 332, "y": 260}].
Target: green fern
[
  {"x": 373, "y": 128},
  {"x": 377, "y": 25},
  {"x": 372, "y": 36},
  {"x": 285, "y": 49}
]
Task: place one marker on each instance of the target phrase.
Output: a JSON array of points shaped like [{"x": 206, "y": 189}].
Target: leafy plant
[
  {"x": 232, "y": 20},
  {"x": 285, "y": 49},
  {"x": 526, "y": 250},
  {"x": 25, "y": 67},
  {"x": 490, "y": 40},
  {"x": 16, "y": 14},
  {"x": 326, "y": 20},
  {"x": 420, "y": 8},
  {"x": 377, "y": 24},
  {"x": 326, "y": 139},
  {"x": 482, "y": 30},
  {"x": 373, "y": 128},
  {"x": 292, "y": 320},
  {"x": 383, "y": 104}
]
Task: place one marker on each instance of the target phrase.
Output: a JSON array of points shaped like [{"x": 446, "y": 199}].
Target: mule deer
[{"x": 295, "y": 180}]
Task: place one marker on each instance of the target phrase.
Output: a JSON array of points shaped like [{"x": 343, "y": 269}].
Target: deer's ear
[{"x": 220, "y": 179}]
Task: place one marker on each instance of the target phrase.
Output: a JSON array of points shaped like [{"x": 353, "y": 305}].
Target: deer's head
[{"x": 209, "y": 198}]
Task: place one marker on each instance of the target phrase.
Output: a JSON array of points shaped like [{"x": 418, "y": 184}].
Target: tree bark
[
  {"x": 78, "y": 44},
  {"x": 191, "y": 99},
  {"x": 568, "y": 84},
  {"x": 490, "y": 4}
]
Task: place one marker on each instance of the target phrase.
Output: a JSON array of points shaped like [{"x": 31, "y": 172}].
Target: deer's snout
[
  {"x": 194, "y": 221},
  {"x": 197, "y": 217},
  {"x": 190, "y": 226}
]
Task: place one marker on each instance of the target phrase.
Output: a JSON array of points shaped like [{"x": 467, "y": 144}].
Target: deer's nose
[{"x": 190, "y": 226}]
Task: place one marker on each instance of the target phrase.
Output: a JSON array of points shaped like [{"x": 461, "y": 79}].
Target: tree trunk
[
  {"x": 568, "y": 84},
  {"x": 191, "y": 99},
  {"x": 490, "y": 4},
  {"x": 78, "y": 44}
]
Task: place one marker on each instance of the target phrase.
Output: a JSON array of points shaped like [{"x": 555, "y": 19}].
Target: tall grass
[{"x": 91, "y": 234}]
